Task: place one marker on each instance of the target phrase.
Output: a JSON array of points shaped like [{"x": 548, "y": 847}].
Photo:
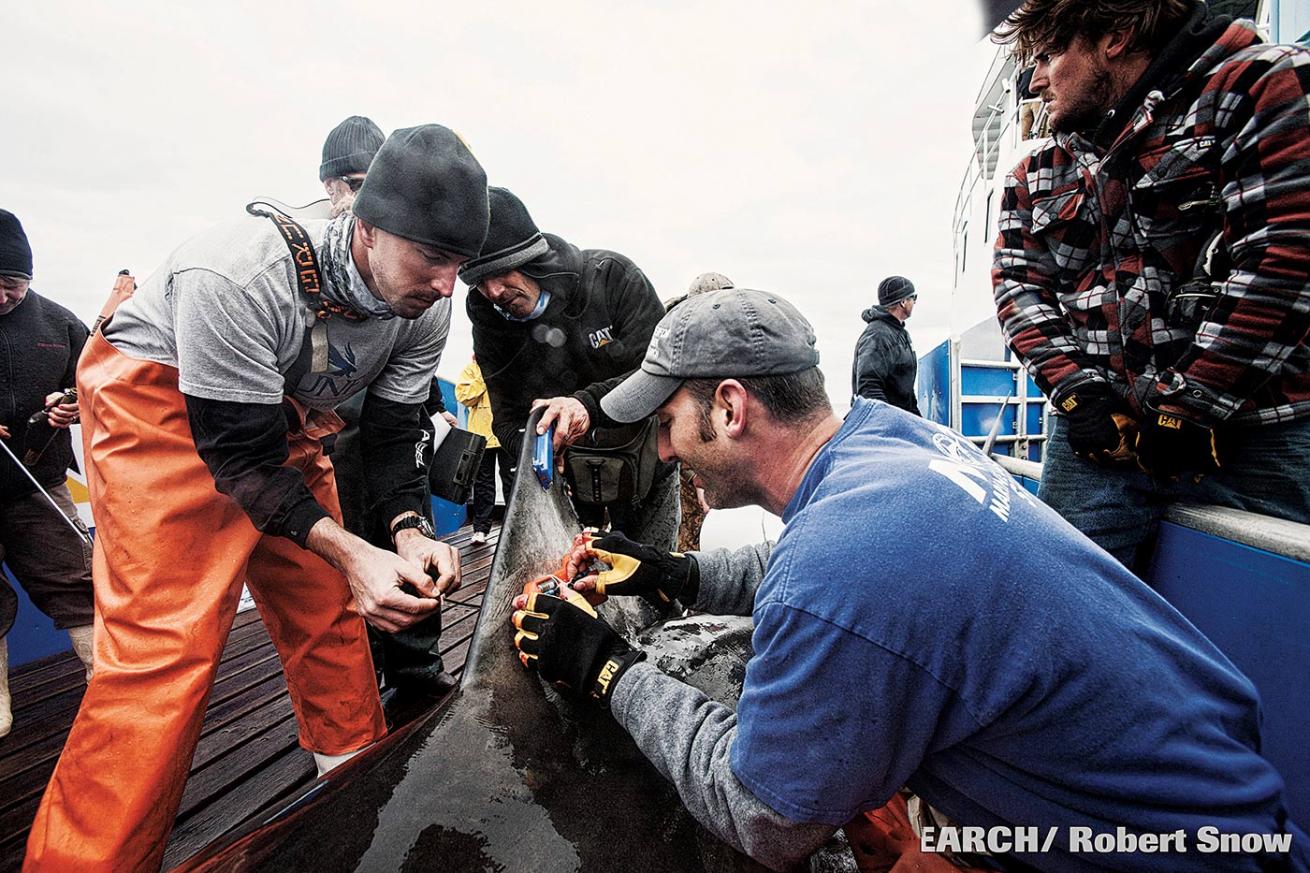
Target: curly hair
[{"x": 1042, "y": 25}]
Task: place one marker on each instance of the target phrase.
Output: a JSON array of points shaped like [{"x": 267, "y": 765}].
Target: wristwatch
[{"x": 415, "y": 521}]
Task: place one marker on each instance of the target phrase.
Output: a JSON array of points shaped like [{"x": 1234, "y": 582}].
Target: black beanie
[
  {"x": 15, "y": 253},
  {"x": 350, "y": 147},
  {"x": 425, "y": 185},
  {"x": 512, "y": 240},
  {"x": 894, "y": 289}
]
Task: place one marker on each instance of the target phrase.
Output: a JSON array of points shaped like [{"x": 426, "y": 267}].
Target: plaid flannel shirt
[{"x": 1091, "y": 245}]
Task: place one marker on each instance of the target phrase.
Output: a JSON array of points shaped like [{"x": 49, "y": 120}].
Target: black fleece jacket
[
  {"x": 40, "y": 342},
  {"x": 885, "y": 365},
  {"x": 594, "y": 331}
]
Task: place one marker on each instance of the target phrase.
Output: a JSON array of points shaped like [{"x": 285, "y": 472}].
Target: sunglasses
[{"x": 354, "y": 183}]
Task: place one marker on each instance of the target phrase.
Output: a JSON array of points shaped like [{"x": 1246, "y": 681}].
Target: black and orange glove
[
  {"x": 571, "y": 647},
  {"x": 1095, "y": 425},
  {"x": 644, "y": 571},
  {"x": 1169, "y": 446}
]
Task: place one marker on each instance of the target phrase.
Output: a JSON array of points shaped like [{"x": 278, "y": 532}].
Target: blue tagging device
[{"x": 543, "y": 458}]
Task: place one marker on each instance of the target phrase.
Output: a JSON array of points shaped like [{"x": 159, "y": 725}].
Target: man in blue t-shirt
[{"x": 921, "y": 622}]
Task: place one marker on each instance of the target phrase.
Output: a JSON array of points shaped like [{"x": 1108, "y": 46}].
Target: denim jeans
[{"x": 1266, "y": 470}]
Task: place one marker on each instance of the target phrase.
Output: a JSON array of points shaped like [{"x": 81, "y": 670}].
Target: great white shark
[{"x": 507, "y": 775}]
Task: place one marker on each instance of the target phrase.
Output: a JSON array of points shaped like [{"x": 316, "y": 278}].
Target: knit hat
[
  {"x": 425, "y": 185},
  {"x": 15, "y": 252},
  {"x": 894, "y": 289},
  {"x": 350, "y": 147},
  {"x": 512, "y": 240},
  {"x": 730, "y": 334}
]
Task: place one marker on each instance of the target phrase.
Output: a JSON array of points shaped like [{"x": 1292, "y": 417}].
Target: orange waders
[{"x": 170, "y": 556}]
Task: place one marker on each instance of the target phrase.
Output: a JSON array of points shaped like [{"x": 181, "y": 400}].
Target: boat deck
[{"x": 247, "y": 761}]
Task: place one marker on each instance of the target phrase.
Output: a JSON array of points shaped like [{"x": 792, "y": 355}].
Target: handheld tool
[
  {"x": 551, "y": 586},
  {"x": 543, "y": 458},
  {"x": 39, "y": 421},
  {"x": 81, "y": 533}
]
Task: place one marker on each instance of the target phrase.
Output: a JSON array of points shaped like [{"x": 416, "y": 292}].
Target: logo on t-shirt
[
  {"x": 601, "y": 338},
  {"x": 975, "y": 474},
  {"x": 339, "y": 377}
]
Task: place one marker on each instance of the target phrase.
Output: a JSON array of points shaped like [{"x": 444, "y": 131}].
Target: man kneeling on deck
[
  {"x": 922, "y": 621},
  {"x": 203, "y": 402}
]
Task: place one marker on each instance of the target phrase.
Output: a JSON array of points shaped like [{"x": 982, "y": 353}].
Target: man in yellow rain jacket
[{"x": 471, "y": 390}]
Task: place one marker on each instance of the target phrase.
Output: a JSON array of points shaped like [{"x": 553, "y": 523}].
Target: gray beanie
[
  {"x": 513, "y": 240},
  {"x": 425, "y": 185},
  {"x": 350, "y": 147},
  {"x": 894, "y": 289}
]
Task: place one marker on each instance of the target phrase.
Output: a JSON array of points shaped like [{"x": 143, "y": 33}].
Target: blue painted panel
[
  {"x": 933, "y": 390},
  {"x": 448, "y": 517},
  {"x": 448, "y": 393},
  {"x": 1033, "y": 390},
  {"x": 1030, "y": 484},
  {"x": 33, "y": 635},
  {"x": 1034, "y": 421},
  {"x": 976, "y": 418},
  {"x": 987, "y": 381},
  {"x": 1255, "y": 606},
  {"x": 1035, "y": 454}
]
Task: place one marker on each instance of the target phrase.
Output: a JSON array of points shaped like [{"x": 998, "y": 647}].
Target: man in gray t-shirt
[{"x": 204, "y": 399}]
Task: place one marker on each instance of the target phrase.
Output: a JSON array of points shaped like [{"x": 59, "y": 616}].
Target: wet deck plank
[{"x": 247, "y": 761}]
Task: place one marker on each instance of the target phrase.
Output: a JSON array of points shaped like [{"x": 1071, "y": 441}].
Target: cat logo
[
  {"x": 1172, "y": 422},
  {"x": 606, "y": 677},
  {"x": 601, "y": 338}
]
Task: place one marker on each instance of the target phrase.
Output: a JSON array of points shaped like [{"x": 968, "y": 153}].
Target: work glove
[
  {"x": 644, "y": 570},
  {"x": 571, "y": 647},
  {"x": 1169, "y": 446},
  {"x": 1096, "y": 428}
]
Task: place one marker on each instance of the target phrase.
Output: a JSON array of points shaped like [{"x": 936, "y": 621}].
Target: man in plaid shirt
[{"x": 1153, "y": 265}]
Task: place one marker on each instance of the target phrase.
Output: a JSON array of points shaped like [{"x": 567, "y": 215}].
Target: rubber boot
[
  {"x": 325, "y": 763},
  {"x": 6, "y": 711},
  {"x": 83, "y": 645}
]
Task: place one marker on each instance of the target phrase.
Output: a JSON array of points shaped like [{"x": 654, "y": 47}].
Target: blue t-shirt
[{"x": 925, "y": 621}]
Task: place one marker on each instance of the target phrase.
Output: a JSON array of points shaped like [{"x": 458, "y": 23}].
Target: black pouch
[
  {"x": 455, "y": 465},
  {"x": 613, "y": 465}
]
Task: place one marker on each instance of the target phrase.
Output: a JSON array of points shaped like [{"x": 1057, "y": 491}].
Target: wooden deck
[{"x": 247, "y": 760}]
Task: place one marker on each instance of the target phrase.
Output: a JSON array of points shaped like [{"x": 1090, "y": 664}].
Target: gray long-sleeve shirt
[{"x": 689, "y": 737}]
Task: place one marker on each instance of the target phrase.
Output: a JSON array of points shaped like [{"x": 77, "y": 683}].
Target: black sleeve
[
  {"x": 637, "y": 310},
  {"x": 872, "y": 362},
  {"x": 396, "y": 449},
  {"x": 245, "y": 447},
  {"x": 436, "y": 403},
  {"x": 508, "y": 411},
  {"x": 77, "y": 334}
]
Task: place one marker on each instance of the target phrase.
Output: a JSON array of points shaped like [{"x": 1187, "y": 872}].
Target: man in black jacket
[
  {"x": 39, "y": 345},
  {"x": 885, "y": 365},
  {"x": 560, "y": 326}
]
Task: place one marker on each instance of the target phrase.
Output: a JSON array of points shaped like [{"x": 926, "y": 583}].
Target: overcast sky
[{"x": 805, "y": 148}]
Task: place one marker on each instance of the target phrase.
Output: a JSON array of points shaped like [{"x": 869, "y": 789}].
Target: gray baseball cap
[{"x": 729, "y": 334}]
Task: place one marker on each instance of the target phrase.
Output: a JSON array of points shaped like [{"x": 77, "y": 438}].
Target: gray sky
[{"x": 805, "y": 148}]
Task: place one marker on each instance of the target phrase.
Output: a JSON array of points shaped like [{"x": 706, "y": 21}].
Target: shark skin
[{"x": 509, "y": 776}]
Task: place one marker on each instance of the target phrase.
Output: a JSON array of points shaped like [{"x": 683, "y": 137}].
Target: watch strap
[{"x": 413, "y": 521}]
